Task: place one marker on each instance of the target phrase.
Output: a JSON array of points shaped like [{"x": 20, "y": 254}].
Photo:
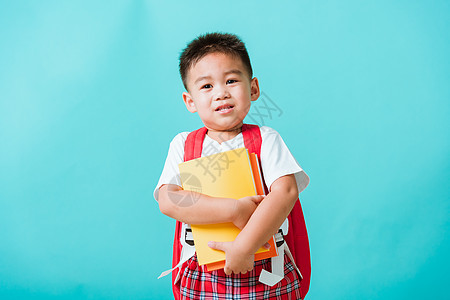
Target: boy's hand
[
  {"x": 236, "y": 260},
  {"x": 244, "y": 209}
]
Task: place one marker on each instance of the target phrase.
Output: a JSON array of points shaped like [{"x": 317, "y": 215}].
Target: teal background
[{"x": 90, "y": 98}]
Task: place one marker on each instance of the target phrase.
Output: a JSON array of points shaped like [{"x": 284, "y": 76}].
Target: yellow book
[{"x": 228, "y": 175}]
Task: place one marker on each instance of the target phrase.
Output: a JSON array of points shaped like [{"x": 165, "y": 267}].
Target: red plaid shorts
[{"x": 196, "y": 283}]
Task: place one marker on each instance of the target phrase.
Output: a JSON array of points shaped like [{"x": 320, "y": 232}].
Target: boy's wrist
[
  {"x": 244, "y": 245},
  {"x": 234, "y": 211}
]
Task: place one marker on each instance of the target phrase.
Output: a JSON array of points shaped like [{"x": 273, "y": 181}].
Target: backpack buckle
[{"x": 188, "y": 238}]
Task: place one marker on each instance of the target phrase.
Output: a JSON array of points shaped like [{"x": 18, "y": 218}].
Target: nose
[{"x": 222, "y": 93}]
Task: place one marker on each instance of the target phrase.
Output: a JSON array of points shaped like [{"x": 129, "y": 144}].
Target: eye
[
  {"x": 230, "y": 81},
  {"x": 207, "y": 86}
]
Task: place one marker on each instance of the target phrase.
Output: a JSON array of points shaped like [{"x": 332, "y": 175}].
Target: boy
[{"x": 217, "y": 74}]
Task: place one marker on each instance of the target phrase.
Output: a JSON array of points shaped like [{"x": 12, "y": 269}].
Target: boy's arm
[
  {"x": 195, "y": 208},
  {"x": 262, "y": 225}
]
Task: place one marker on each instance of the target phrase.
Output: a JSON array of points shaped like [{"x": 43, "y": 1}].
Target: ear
[
  {"x": 254, "y": 89},
  {"x": 189, "y": 102}
]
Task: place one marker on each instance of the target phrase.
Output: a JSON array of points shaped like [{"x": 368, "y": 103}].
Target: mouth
[{"x": 225, "y": 108}]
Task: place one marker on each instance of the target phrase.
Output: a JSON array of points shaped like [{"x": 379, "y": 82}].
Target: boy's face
[{"x": 220, "y": 90}]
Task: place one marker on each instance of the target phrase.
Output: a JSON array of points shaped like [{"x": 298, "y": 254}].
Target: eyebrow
[{"x": 234, "y": 71}]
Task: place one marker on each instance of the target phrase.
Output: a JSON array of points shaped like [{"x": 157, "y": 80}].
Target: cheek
[
  {"x": 200, "y": 102},
  {"x": 204, "y": 107},
  {"x": 245, "y": 109},
  {"x": 203, "y": 110},
  {"x": 246, "y": 93}
]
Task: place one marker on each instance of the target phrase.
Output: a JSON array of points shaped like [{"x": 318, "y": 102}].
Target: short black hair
[{"x": 210, "y": 43}]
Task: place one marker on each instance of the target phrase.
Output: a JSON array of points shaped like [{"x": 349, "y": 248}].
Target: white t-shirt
[{"x": 276, "y": 159}]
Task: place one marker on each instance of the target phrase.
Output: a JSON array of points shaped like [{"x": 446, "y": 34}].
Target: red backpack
[{"x": 297, "y": 237}]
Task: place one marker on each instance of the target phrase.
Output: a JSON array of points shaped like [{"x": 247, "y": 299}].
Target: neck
[{"x": 224, "y": 135}]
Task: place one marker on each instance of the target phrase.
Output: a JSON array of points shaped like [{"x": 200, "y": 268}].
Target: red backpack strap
[
  {"x": 253, "y": 141},
  {"x": 252, "y": 138},
  {"x": 176, "y": 258},
  {"x": 192, "y": 149},
  {"x": 194, "y": 144}
]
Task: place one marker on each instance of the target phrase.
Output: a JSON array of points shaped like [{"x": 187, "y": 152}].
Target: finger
[
  {"x": 216, "y": 245},
  {"x": 266, "y": 246},
  {"x": 227, "y": 270},
  {"x": 258, "y": 198}
]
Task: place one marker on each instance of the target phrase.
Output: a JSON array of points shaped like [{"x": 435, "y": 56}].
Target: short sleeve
[
  {"x": 175, "y": 156},
  {"x": 277, "y": 160}
]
